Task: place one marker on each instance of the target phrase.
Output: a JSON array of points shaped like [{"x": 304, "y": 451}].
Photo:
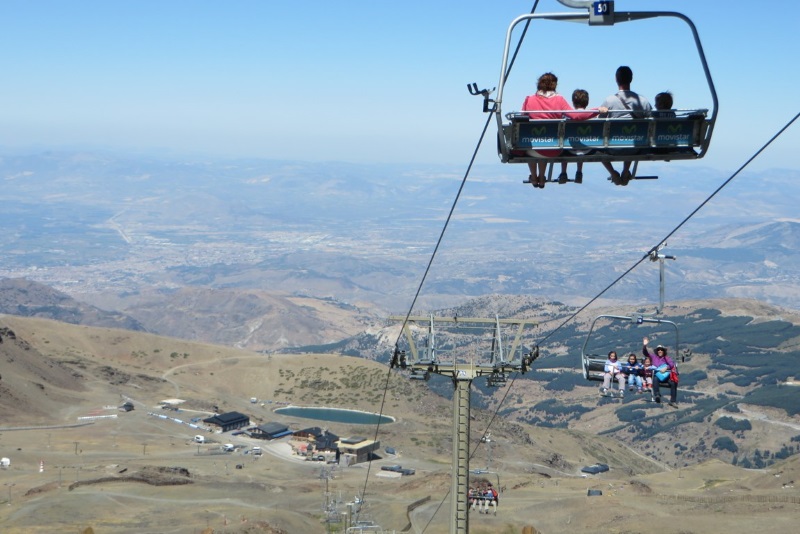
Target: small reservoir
[{"x": 336, "y": 415}]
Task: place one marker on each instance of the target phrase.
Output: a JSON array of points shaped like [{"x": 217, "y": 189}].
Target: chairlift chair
[
  {"x": 683, "y": 137},
  {"x": 593, "y": 364}
]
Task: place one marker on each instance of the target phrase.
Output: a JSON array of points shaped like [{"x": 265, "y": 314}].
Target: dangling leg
[
  {"x": 563, "y": 178},
  {"x": 533, "y": 174},
  {"x": 542, "y": 174},
  {"x": 673, "y": 394},
  {"x": 626, "y": 176},
  {"x": 656, "y": 390},
  {"x": 606, "y": 383},
  {"x": 615, "y": 178}
]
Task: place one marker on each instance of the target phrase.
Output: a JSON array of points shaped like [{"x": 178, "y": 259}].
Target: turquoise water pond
[{"x": 336, "y": 415}]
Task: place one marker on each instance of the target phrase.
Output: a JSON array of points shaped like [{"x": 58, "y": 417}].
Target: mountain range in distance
[{"x": 113, "y": 231}]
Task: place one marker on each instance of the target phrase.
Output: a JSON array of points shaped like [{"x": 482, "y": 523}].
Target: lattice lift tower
[{"x": 506, "y": 355}]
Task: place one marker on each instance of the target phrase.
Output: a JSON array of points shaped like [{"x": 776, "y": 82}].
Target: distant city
[{"x": 95, "y": 224}]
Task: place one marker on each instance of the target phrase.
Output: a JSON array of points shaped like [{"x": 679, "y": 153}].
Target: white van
[
  {"x": 257, "y": 450},
  {"x": 228, "y": 447},
  {"x": 199, "y": 439}
]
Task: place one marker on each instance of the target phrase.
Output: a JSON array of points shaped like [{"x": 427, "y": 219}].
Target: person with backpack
[
  {"x": 625, "y": 103},
  {"x": 665, "y": 370}
]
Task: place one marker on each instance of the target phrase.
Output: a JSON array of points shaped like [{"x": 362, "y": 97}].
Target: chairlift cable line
[
  {"x": 416, "y": 295},
  {"x": 480, "y": 141},
  {"x": 678, "y": 227},
  {"x": 463, "y": 182},
  {"x": 430, "y": 263}
]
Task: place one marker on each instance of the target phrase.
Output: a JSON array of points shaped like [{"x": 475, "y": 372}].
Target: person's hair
[
  {"x": 547, "y": 82},
  {"x": 662, "y": 349},
  {"x": 624, "y": 75},
  {"x": 612, "y": 352},
  {"x": 631, "y": 355},
  {"x": 664, "y": 100},
  {"x": 580, "y": 98}
]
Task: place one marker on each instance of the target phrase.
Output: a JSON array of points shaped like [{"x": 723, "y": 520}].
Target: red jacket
[{"x": 540, "y": 102}]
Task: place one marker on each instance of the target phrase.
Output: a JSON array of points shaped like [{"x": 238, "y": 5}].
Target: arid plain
[{"x": 137, "y": 473}]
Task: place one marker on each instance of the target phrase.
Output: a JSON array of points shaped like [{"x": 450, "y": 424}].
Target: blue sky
[{"x": 372, "y": 81}]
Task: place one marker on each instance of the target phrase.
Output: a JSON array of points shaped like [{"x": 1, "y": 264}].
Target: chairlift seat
[
  {"x": 605, "y": 139},
  {"x": 595, "y": 367},
  {"x": 686, "y": 136}
]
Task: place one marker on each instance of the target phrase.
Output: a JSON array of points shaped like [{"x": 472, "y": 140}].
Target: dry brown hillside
[{"x": 139, "y": 473}]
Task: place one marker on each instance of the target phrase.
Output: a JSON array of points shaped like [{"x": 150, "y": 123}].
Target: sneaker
[
  {"x": 563, "y": 178},
  {"x": 625, "y": 177},
  {"x": 640, "y": 390},
  {"x": 603, "y": 390},
  {"x": 658, "y": 399},
  {"x": 578, "y": 177},
  {"x": 631, "y": 388},
  {"x": 615, "y": 178},
  {"x": 673, "y": 404}
]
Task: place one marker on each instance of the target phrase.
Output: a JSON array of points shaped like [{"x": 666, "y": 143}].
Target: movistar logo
[
  {"x": 540, "y": 130},
  {"x": 675, "y": 128},
  {"x": 584, "y": 130},
  {"x": 629, "y": 129}
]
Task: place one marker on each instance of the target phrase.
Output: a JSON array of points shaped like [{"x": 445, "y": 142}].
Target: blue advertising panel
[
  {"x": 583, "y": 134},
  {"x": 628, "y": 133},
  {"x": 674, "y": 132},
  {"x": 537, "y": 134}
]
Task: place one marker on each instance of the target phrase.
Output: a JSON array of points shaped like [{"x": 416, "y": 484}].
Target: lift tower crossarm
[{"x": 462, "y": 374}]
